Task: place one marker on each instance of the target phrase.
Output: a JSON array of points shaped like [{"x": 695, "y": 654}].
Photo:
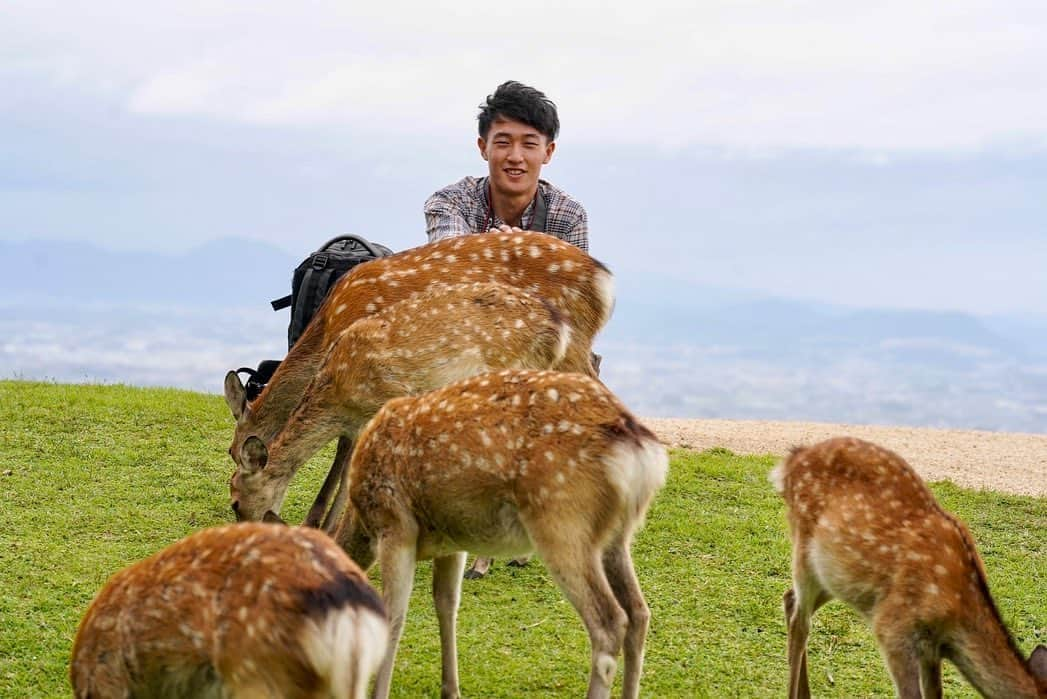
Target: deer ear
[
  {"x": 1038, "y": 662},
  {"x": 253, "y": 455},
  {"x": 235, "y": 395},
  {"x": 272, "y": 518}
]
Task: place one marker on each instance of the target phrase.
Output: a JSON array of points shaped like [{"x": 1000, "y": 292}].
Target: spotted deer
[
  {"x": 250, "y": 611},
  {"x": 867, "y": 530},
  {"x": 575, "y": 284},
  {"x": 501, "y": 464},
  {"x": 426, "y": 341}
]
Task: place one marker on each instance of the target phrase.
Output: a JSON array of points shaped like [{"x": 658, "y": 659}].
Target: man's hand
[{"x": 505, "y": 228}]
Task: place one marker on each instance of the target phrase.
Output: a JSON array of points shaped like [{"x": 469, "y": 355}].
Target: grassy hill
[{"x": 93, "y": 478}]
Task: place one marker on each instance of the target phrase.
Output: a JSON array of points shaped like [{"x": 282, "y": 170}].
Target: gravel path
[{"x": 1005, "y": 462}]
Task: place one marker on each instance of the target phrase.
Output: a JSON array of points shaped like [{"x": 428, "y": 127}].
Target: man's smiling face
[{"x": 515, "y": 153}]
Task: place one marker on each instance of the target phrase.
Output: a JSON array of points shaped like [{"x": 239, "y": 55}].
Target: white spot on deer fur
[
  {"x": 933, "y": 589},
  {"x": 341, "y": 307},
  {"x": 553, "y": 394},
  {"x": 534, "y": 251},
  {"x": 547, "y": 428},
  {"x": 485, "y": 439},
  {"x": 940, "y": 569},
  {"x": 549, "y": 456}
]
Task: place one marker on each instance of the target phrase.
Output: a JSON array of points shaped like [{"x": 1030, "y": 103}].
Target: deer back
[
  {"x": 249, "y": 608},
  {"x": 546, "y": 445}
]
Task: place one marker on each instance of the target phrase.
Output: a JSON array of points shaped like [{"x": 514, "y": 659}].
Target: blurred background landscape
[
  {"x": 671, "y": 349},
  {"x": 814, "y": 211}
]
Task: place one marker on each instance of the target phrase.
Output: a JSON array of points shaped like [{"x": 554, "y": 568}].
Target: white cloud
[{"x": 898, "y": 75}]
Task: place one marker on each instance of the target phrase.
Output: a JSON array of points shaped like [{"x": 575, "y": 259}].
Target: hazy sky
[{"x": 892, "y": 156}]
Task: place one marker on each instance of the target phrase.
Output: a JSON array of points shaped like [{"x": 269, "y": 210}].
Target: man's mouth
[{"x": 514, "y": 172}]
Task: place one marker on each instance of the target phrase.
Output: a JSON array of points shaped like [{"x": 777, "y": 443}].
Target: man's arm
[
  {"x": 443, "y": 219},
  {"x": 578, "y": 235}
]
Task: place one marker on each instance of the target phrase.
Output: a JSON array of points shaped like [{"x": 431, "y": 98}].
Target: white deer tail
[
  {"x": 638, "y": 469},
  {"x": 346, "y": 647}
]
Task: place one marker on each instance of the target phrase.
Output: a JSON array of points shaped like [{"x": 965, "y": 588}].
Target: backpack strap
[
  {"x": 305, "y": 300},
  {"x": 541, "y": 212}
]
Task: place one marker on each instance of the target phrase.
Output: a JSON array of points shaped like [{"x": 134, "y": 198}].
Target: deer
[
  {"x": 426, "y": 341},
  {"x": 248, "y": 611},
  {"x": 505, "y": 463},
  {"x": 867, "y": 530},
  {"x": 578, "y": 286}
]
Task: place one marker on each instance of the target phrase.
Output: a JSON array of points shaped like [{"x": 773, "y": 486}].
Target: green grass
[{"x": 93, "y": 478}]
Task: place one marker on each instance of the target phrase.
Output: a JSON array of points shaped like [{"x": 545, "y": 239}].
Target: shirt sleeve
[
  {"x": 578, "y": 235},
  {"x": 443, "y": 219}
]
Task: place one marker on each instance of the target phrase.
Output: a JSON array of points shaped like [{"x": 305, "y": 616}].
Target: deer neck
[
  {"x": 287, "y": 384},
  {"x": 986, "y": 654}
]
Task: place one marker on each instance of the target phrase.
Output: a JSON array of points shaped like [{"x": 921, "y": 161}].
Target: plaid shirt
[{"x": 461, "y": 209}]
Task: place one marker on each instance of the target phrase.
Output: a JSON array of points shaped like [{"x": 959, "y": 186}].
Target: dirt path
[{"x": 1006, "y": 462}]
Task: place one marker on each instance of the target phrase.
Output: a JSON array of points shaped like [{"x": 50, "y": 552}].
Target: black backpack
[
  {"x": 318, "y": 273},
  {"x": 310, "y": 283}
]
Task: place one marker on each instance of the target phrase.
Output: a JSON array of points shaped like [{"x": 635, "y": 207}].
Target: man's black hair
[{"x": 513, "y": 100}]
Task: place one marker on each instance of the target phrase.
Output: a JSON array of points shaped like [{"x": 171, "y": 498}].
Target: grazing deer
[
  {"x": 867, "y": 530},
  {"x": 424, "y": 342},
  {"x": 244, "y": 611},
  {"x": 501, "y": 464},
  {"x": 578, "y": 286}
]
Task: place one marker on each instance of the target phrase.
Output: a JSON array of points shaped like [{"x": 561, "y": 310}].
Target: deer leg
[
  {"x": 579, "y": 572},
  {"x": 896, "y": 646},
  {"x": 931, "y": 678},
  {"x": 618, "y": 566},
  {"x": 447, "y": 595},
  {"x": 341, "y": 464},
  {"x": 519, "y": 561},
  {"x": 333, "y": 479},
  {"x": 800, "y": 603},
  {"x": 479, "y": 568},
  {"x": 397, "y": 559}
]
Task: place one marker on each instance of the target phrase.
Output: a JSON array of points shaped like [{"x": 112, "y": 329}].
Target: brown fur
[
  {"x": 572, "y": 282},
  {"x": 228, "y": 611},
  {"x": 424, "y": 342},
  {"x": 568, "y": 278},
  {"x": 501, "y": 463},
  {"x": 867, "y": 530}
]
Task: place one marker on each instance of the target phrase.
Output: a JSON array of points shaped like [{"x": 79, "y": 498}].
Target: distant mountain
[
  {"x": 666, "y": 312},
  {"x": 226, "y": 272},
  {"x": 238, "y": 273}
]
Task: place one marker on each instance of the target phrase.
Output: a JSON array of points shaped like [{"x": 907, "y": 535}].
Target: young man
[{"x": 518, "y": 129}]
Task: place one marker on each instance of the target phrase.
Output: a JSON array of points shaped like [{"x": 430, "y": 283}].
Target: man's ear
[
  {"x": 235, "y": 395},
  {"x": 549, "y": 152},
  {"x": 481, "y": 143},
  {"x": 253, "y": 455}
]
